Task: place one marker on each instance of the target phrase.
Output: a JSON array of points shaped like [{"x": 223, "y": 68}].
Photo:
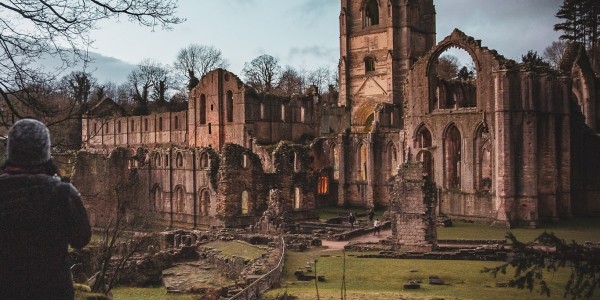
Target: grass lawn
[
  {"x": 237, "y": 248},
  {"x": 577, "y": 229},
  {"x": 157, "y": 293},
  {"x": 371, "y": 278}
]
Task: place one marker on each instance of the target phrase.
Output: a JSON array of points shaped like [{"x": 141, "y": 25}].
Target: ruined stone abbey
[{"x": 511, "y": 146}]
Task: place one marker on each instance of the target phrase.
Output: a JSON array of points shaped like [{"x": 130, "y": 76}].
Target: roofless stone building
[{"x": 512, "y": 144}]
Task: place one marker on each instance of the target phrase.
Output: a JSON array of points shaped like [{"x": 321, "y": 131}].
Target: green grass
[
  {"x": 157, "y": 293},
  {"x": 577, "y": 229},
  {"x": 371, "y": 278},
  {"x": 237, "y": 248},
  {"x": 332, "y": 212}
]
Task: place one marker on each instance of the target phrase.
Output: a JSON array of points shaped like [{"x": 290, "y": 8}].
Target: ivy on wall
[{"x": 213, "y": 174}]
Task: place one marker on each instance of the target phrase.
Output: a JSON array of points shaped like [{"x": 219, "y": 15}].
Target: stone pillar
[
  {"x": 413, "y": 209},
  {"x": 503, "y": 150},
  {"x": 370, "y": 201},
  {"x": 528, "y": 185},
  {"x": 342, "y": 185},
  {"x": 564, "y": 147}
]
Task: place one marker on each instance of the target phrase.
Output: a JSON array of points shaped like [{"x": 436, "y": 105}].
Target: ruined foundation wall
[{"x": 413, "y": 210}]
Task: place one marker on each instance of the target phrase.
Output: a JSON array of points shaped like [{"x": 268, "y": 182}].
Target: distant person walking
[
  {"x": 376, "y": 226},
  {"x": 371, "y": 214},
  {"x": 40, "y": 216},
  {"x": 351, "y": 220}
]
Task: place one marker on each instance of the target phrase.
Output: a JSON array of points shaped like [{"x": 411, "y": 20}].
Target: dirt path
[{"x": 369, "y": 237}]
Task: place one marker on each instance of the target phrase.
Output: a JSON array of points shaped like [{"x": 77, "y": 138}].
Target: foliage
[
  {"x": 581, "y": 23},
  {"x": 214, "y": 166},
  {"x": 549, "y": 254},
  {"x": 149, "y": 81},
  {"x": 196, "y": 60},
  {"x": 554, "y": 53},
  {"x": 284, "y": 155},
  {"x": 465, "y": 74},
  {"x": 32, "y": 30},
  {"x": 234, "y": 154},
  {"x": 262, "y": 73},
  {"x": 447, "y": 67},
  {"x": 533, "y": 62}
]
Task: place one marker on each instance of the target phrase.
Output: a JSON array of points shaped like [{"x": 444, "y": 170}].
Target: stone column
[
  {"x": 342, "y": 144},
  {"x": 564, "y": 169},
  {"x": 503, "y": 150},
  {"x": 370, "y": 201},
  {"x": 528, "y": 187}
]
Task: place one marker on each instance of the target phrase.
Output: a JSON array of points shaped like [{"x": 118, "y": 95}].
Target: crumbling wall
[{"x": 414, "y": 210}]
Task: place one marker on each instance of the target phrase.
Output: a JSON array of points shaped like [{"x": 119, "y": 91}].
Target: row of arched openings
[
  {"x": 160, "y": 160},
  {"x": 159, "y": 202},
  {"x": 452, "y": 156}
]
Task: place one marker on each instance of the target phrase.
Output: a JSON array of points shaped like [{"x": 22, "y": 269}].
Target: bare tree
[
  {"x": 262, "y": 73},
  {"x": 290, "y": 82},
  {"x": 59, "y": 28},
  {"x": 322, "y": 77},
  {"x": 120, "y": 239},
  {"x": 447, "y": 67},
  {"x": 150, "y": 81},
  {"x": 554, "y": 52},
  {"x": 194, "y": 61}
]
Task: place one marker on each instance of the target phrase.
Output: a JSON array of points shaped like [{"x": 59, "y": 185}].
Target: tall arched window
[
  {"x": 160, "y": 124},
  {"x": 157, "y": 160},
  {"x": 392, "y": 160},
  {"x": 362, "y": 162},
  {"x": 204, "y": 203},
  {"x": 204, "y": 161},
  {"x": 297, "y": 198},
  {"x": 452, "y": 159},
  {"x": 423, "y": 138},
  {"x": 426, "y": 158},
  {"x": 336, "y": 162},
  {"x": 483, "y": 160},
  {"x": 202, "y": 109},
  {"x": 156, "y": 199},
  {"x": 229, "y": 106},
  {"x": 262, "y": 111},
  {"x": 371, "y": 12},
  {"x": 245, "y": 203},
  {"x": 323, "y": 184},
  {"x": 180, "y": 205},
  {"x": 179, "y": 159}
]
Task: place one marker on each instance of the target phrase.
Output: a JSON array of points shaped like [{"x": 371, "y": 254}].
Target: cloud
[
  {"x": 309, "y": 12},
  {"x": 103, "y": 68},
  {"x": 511, "y": 26},
  {"x": 313, "y": 56}
]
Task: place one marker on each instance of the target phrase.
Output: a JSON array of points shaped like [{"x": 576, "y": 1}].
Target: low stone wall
[{"x": 266, "y": 282}]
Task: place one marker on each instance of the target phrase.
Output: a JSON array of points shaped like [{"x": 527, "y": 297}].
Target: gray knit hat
[{"x": 28, "y": 143}]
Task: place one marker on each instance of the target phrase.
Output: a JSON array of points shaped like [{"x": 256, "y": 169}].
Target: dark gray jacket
[{"x": 39, "y": 217}]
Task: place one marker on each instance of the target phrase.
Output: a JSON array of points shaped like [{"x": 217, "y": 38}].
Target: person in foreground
[{"x": 39, "y": 217}]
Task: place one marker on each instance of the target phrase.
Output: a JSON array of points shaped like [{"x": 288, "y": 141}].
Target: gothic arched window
[{"x": 371, "y": 13}]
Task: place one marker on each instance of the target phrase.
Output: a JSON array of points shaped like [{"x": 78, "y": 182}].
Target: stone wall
[{"x": 413, "y": 210}]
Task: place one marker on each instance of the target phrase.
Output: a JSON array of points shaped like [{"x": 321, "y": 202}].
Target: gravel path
[{"x": 369, "y": 237}]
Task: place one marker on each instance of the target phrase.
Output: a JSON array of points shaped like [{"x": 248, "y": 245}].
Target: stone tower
[{"x": 379, "y": 42}]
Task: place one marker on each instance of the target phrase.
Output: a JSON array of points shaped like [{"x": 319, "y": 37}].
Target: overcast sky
[{"x": 304, "y": 33}]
